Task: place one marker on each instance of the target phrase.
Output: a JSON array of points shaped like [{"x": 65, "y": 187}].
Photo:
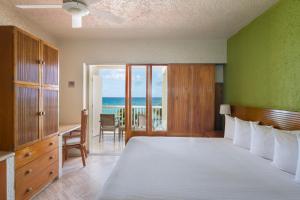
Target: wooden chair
[
  {"x": 108, "y": 123},
  {"x": 77, "y": 139}
]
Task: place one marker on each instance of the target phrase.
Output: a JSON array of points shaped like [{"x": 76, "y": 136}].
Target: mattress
[{"x": 169, "y": 168}]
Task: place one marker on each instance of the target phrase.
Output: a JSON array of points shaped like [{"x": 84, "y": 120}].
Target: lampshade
[{"x": 225, "y": 109}]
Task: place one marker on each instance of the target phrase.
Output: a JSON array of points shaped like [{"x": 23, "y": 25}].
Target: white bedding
[{"x": 156, "y": 168}]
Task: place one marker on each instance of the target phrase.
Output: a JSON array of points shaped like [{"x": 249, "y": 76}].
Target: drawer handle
[
  {"x": 28, "y": 190},
  {"x": 51, "y": 144},
  {"x": 51, "y": 157},
  {"x": 28, "y": 154},
  {"x": 51, "y": 173},
  {"x": 28, "y": 172}
]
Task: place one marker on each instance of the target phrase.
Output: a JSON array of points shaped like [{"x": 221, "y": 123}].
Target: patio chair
[
  {"x": 108, "y": 123},
  {"x": 141, "y": 121}
]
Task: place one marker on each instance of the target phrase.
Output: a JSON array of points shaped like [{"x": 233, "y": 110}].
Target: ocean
[
  {"x": 136, "y": 101},
  {"x": 118, "y": 108}
]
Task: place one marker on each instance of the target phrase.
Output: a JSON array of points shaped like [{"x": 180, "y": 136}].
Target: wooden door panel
[
  {"x": 50, "y": 108},
  {"x": 26, "y": 115},
  {"x": 50, "y": 66},
  {"x": 27, "y": 58},
  {"x": 190, "y": 99},
  {"x": 179, "y": 98},
  {"x": 203, "y": 99}
]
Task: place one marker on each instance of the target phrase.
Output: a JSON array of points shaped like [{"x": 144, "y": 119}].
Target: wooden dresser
[{"x": 29, "y": 108}]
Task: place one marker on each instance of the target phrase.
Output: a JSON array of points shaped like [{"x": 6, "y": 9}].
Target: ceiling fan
[{"x": 77, "y": 8}]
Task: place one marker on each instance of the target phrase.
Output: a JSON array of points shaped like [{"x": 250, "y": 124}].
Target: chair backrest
[
  {"x": 107, "y": 120},
  {"x": 84, "y": 123},
  {"x": 142, "y": 121}
]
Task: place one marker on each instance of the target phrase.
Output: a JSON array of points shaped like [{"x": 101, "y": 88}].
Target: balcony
[{"x": 157, "y": 117}]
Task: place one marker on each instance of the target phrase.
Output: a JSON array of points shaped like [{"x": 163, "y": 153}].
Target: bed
[{"x": 169, "y": 168}]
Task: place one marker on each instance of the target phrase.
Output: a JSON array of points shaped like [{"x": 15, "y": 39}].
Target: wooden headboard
[{"x": 280, "y": 119}]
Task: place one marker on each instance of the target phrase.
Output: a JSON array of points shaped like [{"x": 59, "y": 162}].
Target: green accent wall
[{"x": 263, "y": 68}]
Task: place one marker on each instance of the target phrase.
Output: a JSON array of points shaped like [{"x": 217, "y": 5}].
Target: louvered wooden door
[
  {"x": 50, "y": 112},
  {"x": 50, "y": 65},
  {"x": 50, "y": 90},
  {"x": 26, "y": 115},
  {"x": 27, "y": 58}
]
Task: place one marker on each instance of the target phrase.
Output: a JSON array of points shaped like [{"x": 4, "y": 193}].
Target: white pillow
[
  {"x": 285, "y": 150},
  {"x": 297, "y": 178},
  {"x": 242, "y": 133},
  {"x": 262, "y": 141},
  {"x": 229, "y": 127}
]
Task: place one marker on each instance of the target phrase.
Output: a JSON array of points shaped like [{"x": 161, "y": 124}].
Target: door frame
[
  {"x": 89, "y": 70},
  {"x": 128, "y": 107}
]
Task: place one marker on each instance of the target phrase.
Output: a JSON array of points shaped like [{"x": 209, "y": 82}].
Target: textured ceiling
[{"x": 150, "y": 18}]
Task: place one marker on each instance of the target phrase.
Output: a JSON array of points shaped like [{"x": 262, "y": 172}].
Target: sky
[{"x": 113, "y": 82}]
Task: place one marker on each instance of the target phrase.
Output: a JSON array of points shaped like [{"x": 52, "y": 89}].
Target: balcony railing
[{"x": 119, "y": 112}]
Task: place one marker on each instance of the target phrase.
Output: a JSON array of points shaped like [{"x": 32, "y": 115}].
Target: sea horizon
[{"x": 137, "y": 101}]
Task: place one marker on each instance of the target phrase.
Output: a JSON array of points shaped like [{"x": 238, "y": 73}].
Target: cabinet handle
[
  {"x": 51, "y": 144},
  {"x": 41, "y": 62},
  {"x": 51, "y": 173},
  {"x": 28, "y": 172},
  {"x": 29, "y": 190},
  {"x": 41, "y": 113},
  {"x": 50, "y": 158},
  {"x": 28, "y": 154}
]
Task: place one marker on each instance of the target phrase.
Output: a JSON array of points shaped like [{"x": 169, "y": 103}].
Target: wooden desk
[
  {"x": 67, "y": 128},
  {"x": 64, "y": 129}
]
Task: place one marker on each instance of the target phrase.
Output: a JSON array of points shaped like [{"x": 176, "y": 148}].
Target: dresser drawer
[
  {"x": 32, "y": 152},
  {"x": 27, "y": 189},
  {"x": 33, "y": 169}
]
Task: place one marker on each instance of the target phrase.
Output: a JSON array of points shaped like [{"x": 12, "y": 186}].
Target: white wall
[
  {"x": 9, "y": 15},
  {"x": 74, "y": 53}
]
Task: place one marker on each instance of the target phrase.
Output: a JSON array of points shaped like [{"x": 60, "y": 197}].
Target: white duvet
[{"x": 156, "y": 168}]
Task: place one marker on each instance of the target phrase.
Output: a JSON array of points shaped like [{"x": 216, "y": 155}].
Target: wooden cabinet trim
[{"x": 3, "y": 184}]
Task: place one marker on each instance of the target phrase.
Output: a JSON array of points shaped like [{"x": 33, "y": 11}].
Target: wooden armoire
[{"x": 29, "y": 89}]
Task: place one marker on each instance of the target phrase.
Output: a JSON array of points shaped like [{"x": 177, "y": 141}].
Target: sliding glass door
[
  {"x": 159, "y": 100},
  {"x": 138, "y": 98},
  {"x": 146, "y": 100}
]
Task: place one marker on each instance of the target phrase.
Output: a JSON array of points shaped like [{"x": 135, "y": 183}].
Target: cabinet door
[
  {"x": 26, "y": 115},
  {"x": 27, "y": 58},
  {"x": 50, "y": 66},
  {"x": 50, "y": 109}
]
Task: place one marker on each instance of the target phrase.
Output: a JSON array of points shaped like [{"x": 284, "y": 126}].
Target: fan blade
[
  {"x": 106, "y": 15},
  {"x": 39, "y": 6},
  {"x": 76, "y": 21}
]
